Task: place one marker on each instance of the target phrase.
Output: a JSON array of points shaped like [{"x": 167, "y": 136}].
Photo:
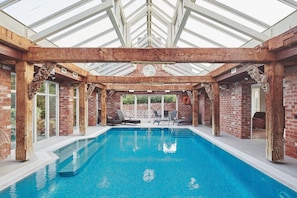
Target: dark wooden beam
[
  {"x": 170, "y": 55},
  {"x": 152, "y": 79},
  {"x": 287, "y": 54},
  {"x": 14, "y": 40},
  {"x": 8, "y": 53}
]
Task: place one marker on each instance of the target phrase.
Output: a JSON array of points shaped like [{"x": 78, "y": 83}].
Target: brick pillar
[
  {"x": 66, "y": 109},
  {"x": 92, "y": 110}
]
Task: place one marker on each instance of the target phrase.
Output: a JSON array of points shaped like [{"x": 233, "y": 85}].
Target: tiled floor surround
[{"x": 250, "y": 150}]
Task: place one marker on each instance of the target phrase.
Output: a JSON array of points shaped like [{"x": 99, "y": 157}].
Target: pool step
[
  {"x": 77, "y": 161},
  {"x": 182, "y": 134}
]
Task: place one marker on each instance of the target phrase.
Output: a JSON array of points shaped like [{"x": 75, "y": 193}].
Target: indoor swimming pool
[{"x": 147, "y": 162}]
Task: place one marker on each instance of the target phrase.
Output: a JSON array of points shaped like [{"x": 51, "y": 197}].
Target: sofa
[{"x": 259, "y": 120}]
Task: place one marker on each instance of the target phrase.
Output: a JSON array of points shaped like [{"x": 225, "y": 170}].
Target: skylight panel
[
  {"x": 268, "y": 11},
  {"x": 210, "y": 33},
  {"x": 84, "y": 33},
  {"x": 30, "y": 11},
  {"x": 68, "y": 15},
  {"x": 133, "y": 7}
]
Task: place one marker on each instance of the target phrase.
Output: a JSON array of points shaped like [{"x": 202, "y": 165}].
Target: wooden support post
[
  {"x": 195, "y": 108},
  {"x": 216, "y": 109},
  {"x": 24, "y": 129},
  {"x": 275, "y": 113},
  {"x": 103, "y": 107},
  {"x": 83, "y": 108}
]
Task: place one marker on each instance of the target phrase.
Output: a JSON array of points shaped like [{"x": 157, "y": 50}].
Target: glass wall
[{"x": 45, "y": 118}]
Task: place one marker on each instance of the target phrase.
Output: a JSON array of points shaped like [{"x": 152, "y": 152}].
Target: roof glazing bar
[
  {"x": 290, "y": 3},
  {"x": 7, "y": 3},
  {"x": 201, "y": 20},
  {"x": 71, "y": 21},
  {"x": 238, "y": 13},
  {"x": 226, "y": 21},
  {"x": 58, "y": 13},
  {"x": 204, "y": 38}
]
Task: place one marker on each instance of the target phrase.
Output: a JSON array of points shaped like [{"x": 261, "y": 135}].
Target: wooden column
[
  {"x": 195, "y": 108},
  {"x": 275, "y": 113},
  {"x": 83, "y": 108},
  {"x": 215, "y": 109},
  {"x": 103, "y": 107},
  {"x": 24, "y": 129}
]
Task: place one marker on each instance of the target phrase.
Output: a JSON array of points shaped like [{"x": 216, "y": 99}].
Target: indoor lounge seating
[
  {"x": 124, "y": 120},
  {"x": 259, "y": 120},
  {"x": 171, "y": 117},
  {"x": 183, "y": 121}
]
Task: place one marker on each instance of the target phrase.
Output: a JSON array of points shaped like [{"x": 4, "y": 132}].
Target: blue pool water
[{"x": 126, "y": 162}]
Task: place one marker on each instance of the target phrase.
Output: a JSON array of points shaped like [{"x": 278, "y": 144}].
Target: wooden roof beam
[
  {"x": 178, "y": 55},
  {"x": 14, "y": 40},
  {"x": 152, "y": 79},
  {"x": 8, "y": 53}
]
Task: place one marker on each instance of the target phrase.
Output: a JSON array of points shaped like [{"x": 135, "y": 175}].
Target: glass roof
[{"x": 149, "y": 23}]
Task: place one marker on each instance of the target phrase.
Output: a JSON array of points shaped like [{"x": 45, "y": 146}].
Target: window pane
[
  {"x": 13, "y": 82},
  {"x": 40, "y": 117},
  {"x": 13, "y": 120},
  {"x": 74, "y": 112},
  {"x": 52, "y": 116},
  {"x": 52, "y": 88},
  {"x": 42, "y": 88}
]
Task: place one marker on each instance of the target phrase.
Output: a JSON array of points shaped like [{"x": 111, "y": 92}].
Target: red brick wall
[
  {"x": 5, "y": 104},
  {"x": 66, "y": 109},
  {"x": 235, "y": 110},
  {"x": 92, "y": 110},
  {"x": 184, "y": 110},
  {"x": 290, "y": 102},
  {"x": 205, "y": 109}
]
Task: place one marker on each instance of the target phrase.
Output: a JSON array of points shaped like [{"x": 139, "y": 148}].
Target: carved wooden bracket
[
  {"x": 208, "y": 89},
  {"x": 91, "y": 89},
  {"x": 43, "y": 73},
  {"x": 4, "y": 139},
  {"x": 258, "y": 76}
]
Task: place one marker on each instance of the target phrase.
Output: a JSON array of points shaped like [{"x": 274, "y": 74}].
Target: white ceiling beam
[
  {"x": 160, "y": 17},
  {"x": 224, "y": 30},
  {"x": 225, "y": 21},
  {"x": 93, "y": 37},
  {"x": 58, "y": 13},
  {"x": 176, "y": 71},
  {"x": 290, "y": 3},
  {"x": 139, "y": 16},
  {"x": 118, "y": 20},
  {"x": 180, "y": 18},
  {"x": 7, "y": 3},
  {"x": 204, "y": 38},
  {"x": 238, "y": 13},
  {"x": 78, "y": 28},
  {"x": 71, "y": 21},
  {"x": 188, "y": 43}
]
